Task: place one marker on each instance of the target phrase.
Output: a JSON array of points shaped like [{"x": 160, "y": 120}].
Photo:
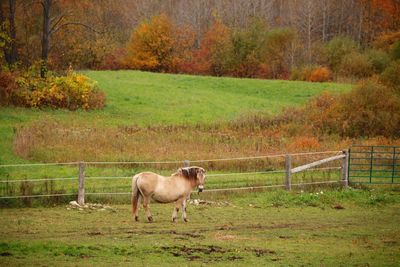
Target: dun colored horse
[{"x": 175, "y": 188}]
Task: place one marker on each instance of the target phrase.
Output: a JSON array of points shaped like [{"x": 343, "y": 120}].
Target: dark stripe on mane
[{"x": 189, "y": 173}]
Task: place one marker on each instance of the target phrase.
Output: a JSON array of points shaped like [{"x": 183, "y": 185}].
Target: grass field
[
  {"x": 149, "y": 99},
  {"x": 331, "y": 228}
]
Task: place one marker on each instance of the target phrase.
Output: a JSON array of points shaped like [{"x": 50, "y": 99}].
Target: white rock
[{"x": 74, "y": 203}]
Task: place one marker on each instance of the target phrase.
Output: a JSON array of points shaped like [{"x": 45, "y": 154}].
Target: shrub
[
  {"x": 320, "y": 74},
  {"x": 311, "y": 73},
  {"x": 371, "y": 109},
  {"x": 72, "y": 91},
  {"x": 337, "y": 49},
  {"x": 379, "y": 60},
  {"x": 356, "y": 65},
  {"x": 395, "y": 51},
  {"x": 302, "y": 73},
  {"x": 8, "y": 86},
  {"x": 391, "y": 76}
]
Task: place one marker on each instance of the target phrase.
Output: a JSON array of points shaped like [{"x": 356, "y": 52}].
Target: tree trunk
[
  {"x": 10, "y": 49},
  {"x": 13, "y": 33},
  {"x": 46, "y": 4}
]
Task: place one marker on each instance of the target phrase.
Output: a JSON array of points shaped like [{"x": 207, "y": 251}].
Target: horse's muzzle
[{"x": 201, "y": 188}]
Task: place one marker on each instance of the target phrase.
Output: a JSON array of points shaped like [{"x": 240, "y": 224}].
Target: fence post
[
  {"x": 288, "y": 168},
  {"x": 186, "y": 163},
  {"x": 81, "y": 186},
  {"x": 345, "y": 169}
]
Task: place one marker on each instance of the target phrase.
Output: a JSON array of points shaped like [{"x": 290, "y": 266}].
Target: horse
[{"x": 176, "y": 188}]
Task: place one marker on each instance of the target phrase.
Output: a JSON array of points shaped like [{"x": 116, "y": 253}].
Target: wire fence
[
  {"x": 244, "y": 185},
  {"x": 169, "y": 162}
]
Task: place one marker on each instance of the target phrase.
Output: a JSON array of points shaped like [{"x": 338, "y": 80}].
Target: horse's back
[{"x": 147, "y": 182}]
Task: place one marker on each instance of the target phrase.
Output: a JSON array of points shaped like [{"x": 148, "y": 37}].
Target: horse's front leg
[
  {"x": 178, "y": 203},
  {"x": 184, "y": 210}
]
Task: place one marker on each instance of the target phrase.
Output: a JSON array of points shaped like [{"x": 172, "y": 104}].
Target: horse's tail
[{"x": 135, "y": 194}]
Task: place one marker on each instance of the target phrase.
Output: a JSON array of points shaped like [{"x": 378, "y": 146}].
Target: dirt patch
[
  {"x": 221, "y": 236},
  {"x": 187, "y": 234},
  {"x": 260, "y": 252},
  {"x": 338, "y": 207},
  {"x": 94, "y": 233},
  {"x": 203, "y": 253},
  {"x": 254, "y": 226},
  {"x": 183, "y": 235},
  {"x": 5, "y": 254}
]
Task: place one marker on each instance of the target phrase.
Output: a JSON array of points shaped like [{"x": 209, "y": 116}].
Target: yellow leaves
[
  {"x": 151, "y": 45},
  {"x": 72, "y": 91}
]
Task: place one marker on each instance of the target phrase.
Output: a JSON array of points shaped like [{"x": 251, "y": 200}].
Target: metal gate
[{"x": 374, "y": 164}]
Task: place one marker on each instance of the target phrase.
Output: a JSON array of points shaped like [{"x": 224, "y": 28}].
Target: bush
[
  {"x": 391, "y": 76},
  {"x": 356, "y": 65},
  {"x": 302, "y": 73},
  {"x": 379, "y": 60},
  {"x": 311, "y": 73},
  {"x": 320, "y": 74},
  {"x": 337, "y": 49},
  {"x": 72, "y": 91},
  {"x": 395, "y": 51},
  {"x": 8, "y": 86},
  {"x": 371, "y": 109}
]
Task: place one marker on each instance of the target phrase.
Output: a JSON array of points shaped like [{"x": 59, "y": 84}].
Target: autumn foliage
[
  {"x": 371, "y": 109},
  {"x": 72, "y": 91},
  {"x": 151, "y": 45},
  {"x": 320, "y": 74}
]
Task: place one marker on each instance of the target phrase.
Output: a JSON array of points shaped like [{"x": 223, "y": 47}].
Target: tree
[
  {"x": 151, "y": 46},
  {"x": 279, "y": 42},
  {"x": 8, "y": 35},
  {"x": 247, "y": 51},
  {"x": 216, "y": 46},
  {"x": 51, "y": 25}
]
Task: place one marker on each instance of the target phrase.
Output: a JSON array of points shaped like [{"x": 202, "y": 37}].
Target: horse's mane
[{"x": 187, "y": 172}]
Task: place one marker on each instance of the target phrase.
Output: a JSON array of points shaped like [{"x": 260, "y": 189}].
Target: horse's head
[{"x": 196, "y": 174}]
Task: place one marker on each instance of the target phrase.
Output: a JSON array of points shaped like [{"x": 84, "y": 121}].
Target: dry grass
[{"x": 50, "y": 141}]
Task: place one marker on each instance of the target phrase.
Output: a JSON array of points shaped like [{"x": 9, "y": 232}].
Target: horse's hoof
[
  {"x": 185, "y": 219},
  {"x": 150, "y": 218},
  {"x": 136, "y": 218}
]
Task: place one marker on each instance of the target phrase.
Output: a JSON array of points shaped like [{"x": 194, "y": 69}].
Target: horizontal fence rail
[{"x": 168, "y": 162}]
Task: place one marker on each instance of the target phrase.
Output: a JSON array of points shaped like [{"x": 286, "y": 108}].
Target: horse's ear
[{"x": 179, "y": 171}]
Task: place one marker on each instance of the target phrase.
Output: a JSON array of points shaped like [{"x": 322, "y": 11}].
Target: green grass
[
  {"x": 144, "y": 99},
  {"x": 334, "y": 228}
]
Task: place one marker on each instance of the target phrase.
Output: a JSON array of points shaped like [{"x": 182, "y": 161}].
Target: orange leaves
[
  {"x": 151, "y": 45},
  {"x": 311, "y": 74},
  {"x": 320, "y": 74},
  {"x": 215, "y": 46}
]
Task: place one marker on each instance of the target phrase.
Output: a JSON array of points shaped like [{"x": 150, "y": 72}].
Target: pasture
[
  {"x": 353, "y": 227},
  {"x": 164, "y": 117},
  {"x": 136, "y": 100}
]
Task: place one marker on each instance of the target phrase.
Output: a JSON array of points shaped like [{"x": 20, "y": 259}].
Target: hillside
[{"x": 148, "y": 99}]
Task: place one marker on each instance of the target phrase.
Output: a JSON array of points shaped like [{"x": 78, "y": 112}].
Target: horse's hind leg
[
  {"x": 139, "y": 199},
  {"x": 184, "y": 210},
  {"x": 146, "y": 201},
  {"x": 178, "y": 203}
]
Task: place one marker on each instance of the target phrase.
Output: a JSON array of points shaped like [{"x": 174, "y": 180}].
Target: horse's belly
[{"x": 166, "y": 198}]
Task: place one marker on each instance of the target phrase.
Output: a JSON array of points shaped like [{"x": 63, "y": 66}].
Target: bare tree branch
[{"x": 75, "y": 23}]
